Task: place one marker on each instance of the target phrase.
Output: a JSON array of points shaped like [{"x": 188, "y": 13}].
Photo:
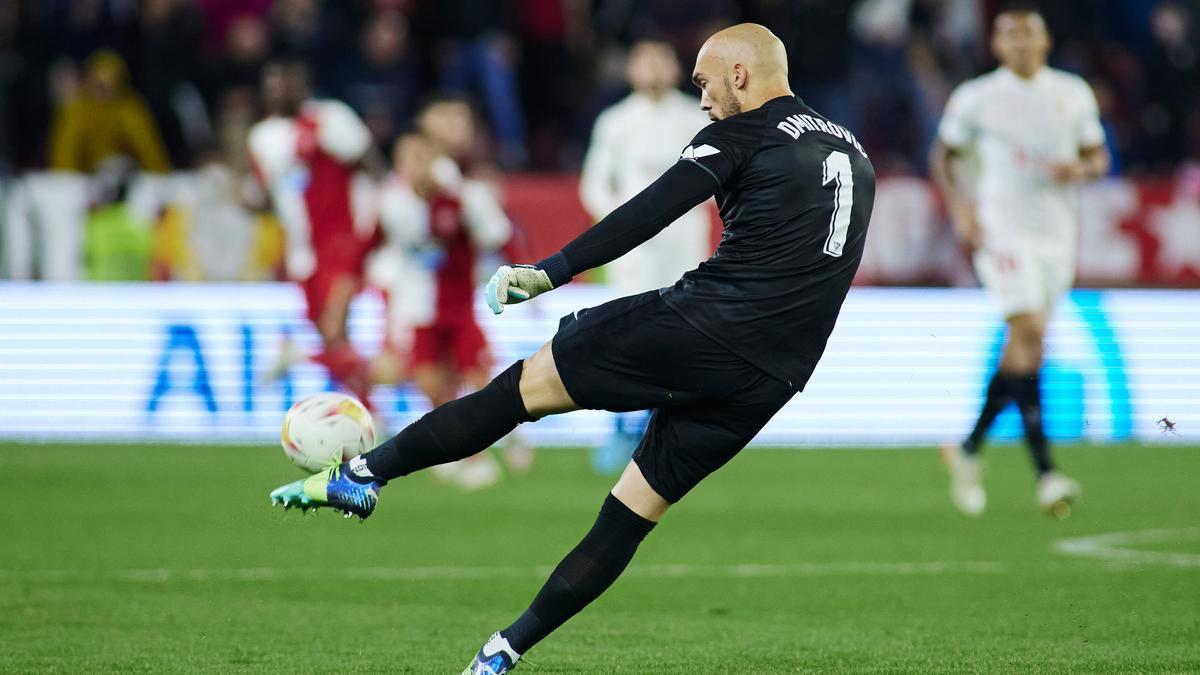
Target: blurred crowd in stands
[{"x": 175, "y": 85}]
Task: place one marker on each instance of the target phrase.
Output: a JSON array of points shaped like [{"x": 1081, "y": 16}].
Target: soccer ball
[{"x": 326, "y": 429}]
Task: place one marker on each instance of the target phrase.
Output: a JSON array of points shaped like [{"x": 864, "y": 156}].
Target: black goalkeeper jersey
[{"x": 795, "y": 193}]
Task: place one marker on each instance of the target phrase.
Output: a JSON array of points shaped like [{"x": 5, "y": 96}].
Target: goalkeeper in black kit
[{"x": 715, "y": 356}]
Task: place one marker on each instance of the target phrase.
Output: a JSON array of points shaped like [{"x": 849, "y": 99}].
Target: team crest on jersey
[{"x": 696, "y": 152}]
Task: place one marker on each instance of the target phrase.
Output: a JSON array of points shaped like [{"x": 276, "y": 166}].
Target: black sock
[
  {"x": 583, "y": 575},
  {"x": 452, "y": 431},
  {"x": 1028, "y": 392},
  {"x": 998, "y": 395}
]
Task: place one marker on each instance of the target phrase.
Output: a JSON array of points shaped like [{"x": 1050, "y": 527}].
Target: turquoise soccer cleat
[{"x": 329, "y": 488}]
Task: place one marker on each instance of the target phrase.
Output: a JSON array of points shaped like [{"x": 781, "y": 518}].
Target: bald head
[
  {"x": 740, "y": 68},
  {"x": 750, "y": 44}
]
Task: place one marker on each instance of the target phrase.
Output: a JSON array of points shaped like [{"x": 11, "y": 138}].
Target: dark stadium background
[{"x": 541, "y": 70}]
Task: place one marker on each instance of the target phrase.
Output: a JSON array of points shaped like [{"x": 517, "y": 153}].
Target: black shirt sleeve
[
  {"x": 683, "y": 186},
  {"x": 705, "y": 166}
]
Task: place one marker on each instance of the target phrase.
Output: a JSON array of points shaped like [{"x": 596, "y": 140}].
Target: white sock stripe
[
  {"x": 500, "y": 643},
  {"x": 358, "y": 466}
]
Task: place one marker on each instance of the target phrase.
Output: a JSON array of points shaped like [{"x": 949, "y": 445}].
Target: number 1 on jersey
[{"x": 836, "y": 169}]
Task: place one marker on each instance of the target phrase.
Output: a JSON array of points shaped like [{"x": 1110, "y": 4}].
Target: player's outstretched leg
[
  {"x": 447, "y": 433},
  {"x": 587, "y": 571}
]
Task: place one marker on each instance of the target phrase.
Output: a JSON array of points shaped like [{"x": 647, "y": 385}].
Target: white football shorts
[
  {"x": 1024, "y": 278},
  {"x": 1027, "y": 261}
]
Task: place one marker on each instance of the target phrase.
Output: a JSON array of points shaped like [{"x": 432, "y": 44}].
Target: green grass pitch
[{"x": 146, "y": 559}]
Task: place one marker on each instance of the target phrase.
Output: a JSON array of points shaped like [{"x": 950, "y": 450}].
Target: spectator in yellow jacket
[{"x": 105, "y": 118}]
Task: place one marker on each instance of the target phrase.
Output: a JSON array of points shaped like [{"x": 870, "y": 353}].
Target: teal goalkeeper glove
[{"x": 513, "y": 284}]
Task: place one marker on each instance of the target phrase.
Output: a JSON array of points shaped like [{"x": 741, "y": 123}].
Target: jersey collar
[{"x": 1038, "y": 77}]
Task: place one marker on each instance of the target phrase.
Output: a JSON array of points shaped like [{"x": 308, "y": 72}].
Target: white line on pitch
[
  {"x": 1114, "y": 547},
  {"x": 744, "y": 570}
]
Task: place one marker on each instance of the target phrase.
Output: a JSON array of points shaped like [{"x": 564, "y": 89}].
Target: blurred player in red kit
[
  {"x": 439, "y": 221},
  {"x": 307, "y": 153}
]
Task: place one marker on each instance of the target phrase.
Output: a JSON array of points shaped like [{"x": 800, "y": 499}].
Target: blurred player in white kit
[
  {"x": 633, "y": 142},
  {"x": 1035, "y": 134}
]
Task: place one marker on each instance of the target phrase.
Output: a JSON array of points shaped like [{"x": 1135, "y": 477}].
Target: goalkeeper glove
[{"x": 517, "y": 283}]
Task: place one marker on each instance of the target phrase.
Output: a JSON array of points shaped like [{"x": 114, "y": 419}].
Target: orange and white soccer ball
[{"x": 326, "y": 429}]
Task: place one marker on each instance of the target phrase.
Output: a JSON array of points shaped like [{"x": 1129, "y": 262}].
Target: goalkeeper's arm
[{"x": 683, "y": 186}]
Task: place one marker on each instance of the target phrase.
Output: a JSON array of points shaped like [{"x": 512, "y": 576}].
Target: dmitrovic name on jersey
[{"x": 795, "y": 125}]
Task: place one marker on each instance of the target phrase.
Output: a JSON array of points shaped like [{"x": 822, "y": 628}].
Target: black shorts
[{"x": 637, "y": 353}]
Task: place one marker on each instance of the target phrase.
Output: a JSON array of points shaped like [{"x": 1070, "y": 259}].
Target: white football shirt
[
  {"x": 1017, "y": 128},
  {"x": 633, "y": 143}
]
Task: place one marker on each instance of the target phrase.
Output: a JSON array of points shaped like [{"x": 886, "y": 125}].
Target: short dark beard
[{"x": 730, "y": 106}]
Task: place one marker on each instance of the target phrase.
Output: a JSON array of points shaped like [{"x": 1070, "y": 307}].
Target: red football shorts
[{"x": 460, "y": 345}]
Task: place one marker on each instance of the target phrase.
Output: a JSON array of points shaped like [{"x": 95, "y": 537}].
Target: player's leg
[
  {"x": 1020, "y": 365},
  {"x": 1055, "y": 492},
  {"x": 330, "y": 295},
  {"x": 1012, "y": 382},
  {"x": 1005, "y": 275},
  {"x": 525, "y": 391},
  {"x": 431, "y": 373},
  {"x": 616, "y": 351},
  {"x": 435, "y": 379},
  {"x": 391, "y": 365},
  {"x": 331, "y": 322},
  {"x": 518, "y": 454},
  {"x": 627, "y": 515},
  {"x": 1027, "y": 284},
  {"x": 474, "y": 360},
  {"x": 467, "y": 365},
  {"x": 615, "y": 453},
  {"x": 460, "y": 428},
  {"x": 1008, "y": 278},
  {"x": 1019, "y": 361},
  {"x": 682, "y": 446},
  {"x": 387, "y": 368}
]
